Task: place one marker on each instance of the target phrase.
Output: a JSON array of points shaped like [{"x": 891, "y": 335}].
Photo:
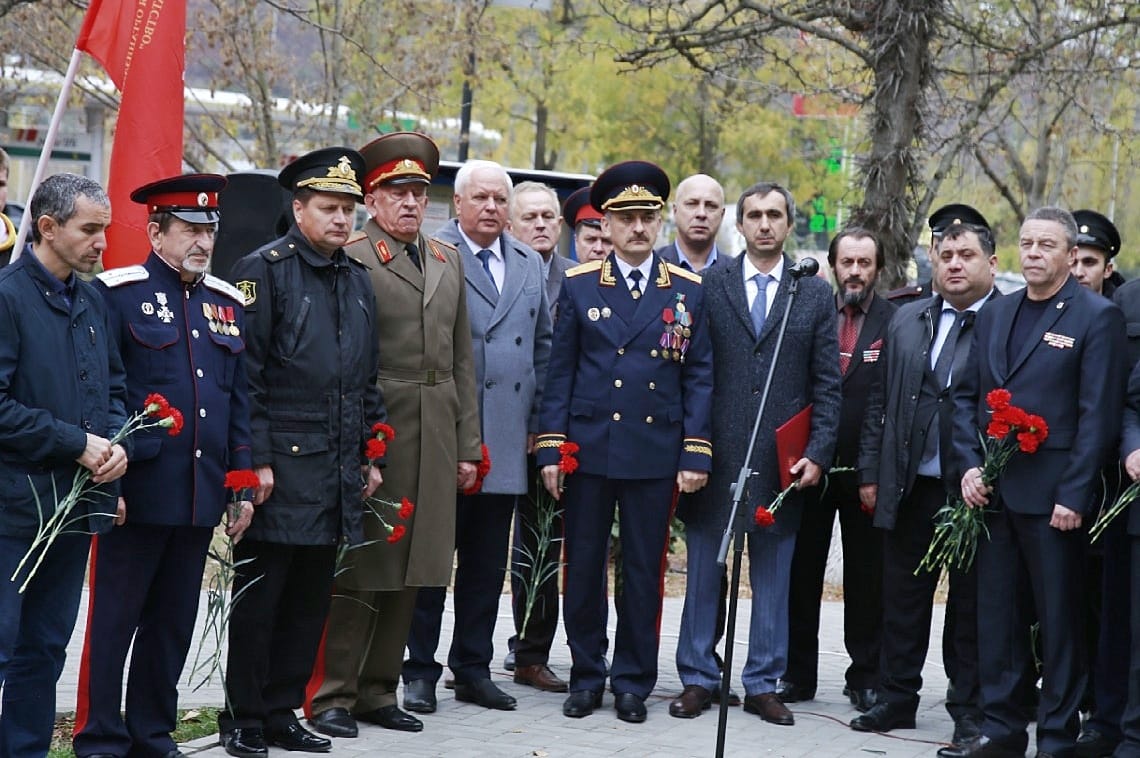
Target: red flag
[{"x": 142, "y": 46}]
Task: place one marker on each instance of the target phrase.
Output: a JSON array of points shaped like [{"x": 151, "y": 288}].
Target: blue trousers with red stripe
[
  {"x": 644, "y": 509},
  {"x": 145, "y": 584}
]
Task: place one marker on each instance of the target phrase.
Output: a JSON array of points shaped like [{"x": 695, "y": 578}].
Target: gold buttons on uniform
[
  {"x": 617, "y": 417},
  {"x": 617, "y": 383},
  {"x": 621, "y": 351},
  {"x": 649, "y": 419},
  {"x": 653, "y": 385}
]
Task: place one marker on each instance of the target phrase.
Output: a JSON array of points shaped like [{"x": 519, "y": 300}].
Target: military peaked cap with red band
[
  {"x": 577, "y": 209},
  {"x": 399, "y": 158},
  {"x": 190, "y": 197}
]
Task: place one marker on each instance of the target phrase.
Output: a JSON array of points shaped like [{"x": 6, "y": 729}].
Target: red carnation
[
  {"x": 568, "y": 448},
  {"x": 383, "y": 431},
  {"x": 397, "y": 534},
  {"x": 241, "y": 479},
  {"x": 156, "y": 405},
  {"x": 1036, "y": 426},
  {"x": 1028, "y": 442},
  {"x": 375, "y": 449},
  {"x": 764, "y": 517},
  {"x": 484, "y": 466},
  {"x": 998, "y": 428},
  {"x": 998, "y": 399},
  {"x": 407, "y": 508},
  {"x": 568, "y": 464},
  {"x": 177, "y": 421}
]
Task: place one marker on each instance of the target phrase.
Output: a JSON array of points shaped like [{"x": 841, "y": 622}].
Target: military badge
[
  {"x": 606, "y": 312},
  {"x": 248, "y": 289},
  {"x": 148, "y": 308},
  {"x": 382, "y": 251},
  {"x": 593, "y": 314}
]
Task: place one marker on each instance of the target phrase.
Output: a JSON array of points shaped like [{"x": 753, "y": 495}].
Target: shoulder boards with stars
[
  {"x": 550, "y": 439},
  {"x": 125, "y": 275},
  {"x": 698, "y": 445},
  {"x": 583, "y": 268},
  {"x": 682, "y": 272},
  {"x": 212, "y": 282},
  {"x": 438, "y": 248},
  {"x": 276, "y": 253}
]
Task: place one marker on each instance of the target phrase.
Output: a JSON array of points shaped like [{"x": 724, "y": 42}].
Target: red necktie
[{"x": 847, "y": 336}]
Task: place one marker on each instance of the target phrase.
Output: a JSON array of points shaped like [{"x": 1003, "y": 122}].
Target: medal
[
  {"x": 606, "y": 312},
  {"x": 148, "y": 308},
  {"x": 593, "y": 314}
]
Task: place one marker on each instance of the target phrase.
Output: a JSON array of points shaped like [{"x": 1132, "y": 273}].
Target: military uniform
[
  {"x": 629, "y": 381},
  {"x": 311, "y": 358},
  {"x": 183, "y": 340}
]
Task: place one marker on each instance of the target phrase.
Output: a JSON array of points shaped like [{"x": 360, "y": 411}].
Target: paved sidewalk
[{"x": 538, "y": 728}]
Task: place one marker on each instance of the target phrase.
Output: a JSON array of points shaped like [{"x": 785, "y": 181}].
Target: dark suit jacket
[
  {"x": 807, "y": 371},
  {"x": 1076, "y": 387},
  {"x": 888, "y": 425},
  {"x": 863, "y": 373},
  {"x": 669, "y": 253},
  {"x": 559, "y": 265},
  {"x": 1130, "y": 439}
]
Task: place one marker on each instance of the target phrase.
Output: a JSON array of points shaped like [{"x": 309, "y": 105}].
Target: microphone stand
[{"x": 734, "y": 531}]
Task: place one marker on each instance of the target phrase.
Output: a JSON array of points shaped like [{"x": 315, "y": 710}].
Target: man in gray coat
[{"x": 510, "y": 336}]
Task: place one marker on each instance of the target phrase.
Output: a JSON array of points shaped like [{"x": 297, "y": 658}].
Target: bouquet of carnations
[{"x": 957, "y": 525}]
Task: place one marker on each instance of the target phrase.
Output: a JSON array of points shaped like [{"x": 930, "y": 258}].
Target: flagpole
[{"x": 49, "y": 144}]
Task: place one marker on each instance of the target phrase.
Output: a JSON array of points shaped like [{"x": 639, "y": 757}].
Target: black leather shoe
[
  {"x": 966, "y": 728},
  {"x": 484, "y": 692},
  {"x": 581, "y": 703},
  {"x": 509, "y": 661},
  {"x": 982, "y": 747},
  {"x": 884, "y": 717},
  {"x": 790, "y": 692},
  {"x": 391, "y": 717},
  {"x": 297, "y": 738},
  {"x": 629, "y": 707},
  {"x": 862, "y": 698},
  {"x": 419, "y": 696},
  {"x": 1093, "y": 744},
  {"x": 245, "y": 742},
  {"x": 335, "y": 722}
]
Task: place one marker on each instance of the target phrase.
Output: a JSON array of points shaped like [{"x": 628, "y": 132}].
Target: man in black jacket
[
  {"x": 312, "y": 357},
  {"x": 906, "y": 442}
]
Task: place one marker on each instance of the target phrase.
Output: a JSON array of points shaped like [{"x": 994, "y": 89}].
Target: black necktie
[
  {"x": 945, "y": 360},
  {"x": 635, "y": 290},
  {"x": 414, "y": 254}
]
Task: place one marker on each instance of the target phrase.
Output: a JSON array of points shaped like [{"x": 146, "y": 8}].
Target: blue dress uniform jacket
[
  {"x": 56, "y": 385},
  {"x": 312, "y": 356},
  {"x": 185, "y": 342},
  {"x": 602, "y": 364}
]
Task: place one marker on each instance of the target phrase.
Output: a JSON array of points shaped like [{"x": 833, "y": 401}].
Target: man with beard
[
  {"x": 856, "y": 257},
  {"x": 905, "y": 445},
  {"x": 428, "y": 382},
  {"x": 311, "y": 357},
  {"x": 1059, "y": 351},
  {"x": 698, "y": 211},
  {"x": 180, "y": 332}
]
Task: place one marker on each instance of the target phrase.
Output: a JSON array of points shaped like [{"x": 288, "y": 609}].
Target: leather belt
[{"x": 430, "y": 377}]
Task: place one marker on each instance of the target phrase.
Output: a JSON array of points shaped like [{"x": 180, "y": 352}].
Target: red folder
[{"x": 791, "y": 441}]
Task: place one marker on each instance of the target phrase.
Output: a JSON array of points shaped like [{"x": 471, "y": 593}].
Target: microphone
[{"x": 805, "y": 267}]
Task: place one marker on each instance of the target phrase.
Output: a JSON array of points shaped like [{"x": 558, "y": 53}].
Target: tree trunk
[{"x": 900, "y": 45}]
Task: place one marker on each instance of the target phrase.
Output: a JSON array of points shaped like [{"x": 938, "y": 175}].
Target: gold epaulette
[
  {"x": 443, "y": 243},
  {"x": 549, "y": 440},
  {"x": 698, "y": 445},
  {"x": 683, "y": 272},
  {"x": 583, "y": 268}
]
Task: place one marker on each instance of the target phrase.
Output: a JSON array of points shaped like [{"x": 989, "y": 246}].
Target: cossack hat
[
  {"x": 630, "y": 186},
  {"x": 399, "y": 158},
  {"x": 330, "y": 169},
  {"x": 190, "y": 197},
  {"x": 1096, "y": 230},
  {"x": 577, "y": 209}
]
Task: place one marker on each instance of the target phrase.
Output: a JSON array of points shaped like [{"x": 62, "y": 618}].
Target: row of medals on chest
[{"x": 220, "y": 319}]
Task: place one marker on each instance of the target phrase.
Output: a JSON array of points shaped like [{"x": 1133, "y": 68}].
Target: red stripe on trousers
[
  {"x": 83, "y": 701},
  {"x": 317, "y": 678}
]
